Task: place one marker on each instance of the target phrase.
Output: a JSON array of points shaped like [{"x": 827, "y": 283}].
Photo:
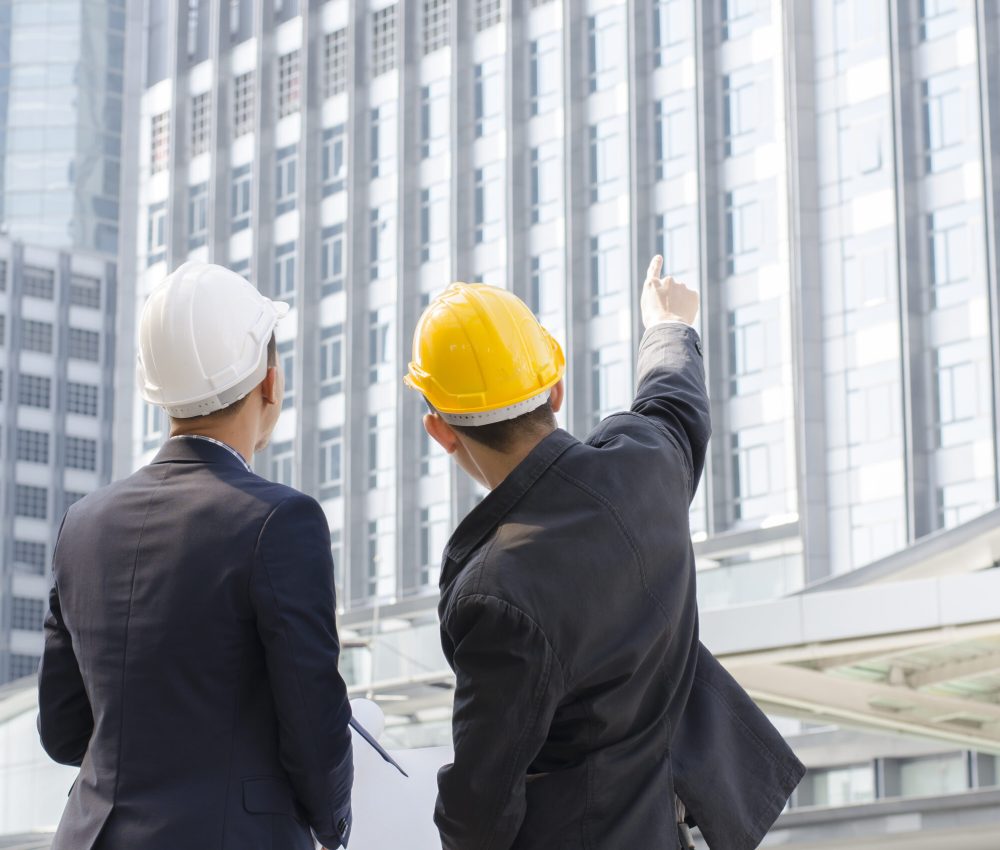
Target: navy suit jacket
[{"x": 190, "y": 663}]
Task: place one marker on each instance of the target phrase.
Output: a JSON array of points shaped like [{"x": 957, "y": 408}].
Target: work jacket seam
[
  {"x": 636, "y": 554},
  {"x": 663, "y": 430}
]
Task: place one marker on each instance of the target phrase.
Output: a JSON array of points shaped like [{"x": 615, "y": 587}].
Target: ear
[
  {"x": 269, "y": 386},
  {"x": 441, "y": 433},
  {"x": 558, "y": 396}
]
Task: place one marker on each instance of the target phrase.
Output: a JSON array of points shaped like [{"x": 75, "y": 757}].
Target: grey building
[
  {"x": 821, "y": 170},
  {"x": 61, "y": 95}
]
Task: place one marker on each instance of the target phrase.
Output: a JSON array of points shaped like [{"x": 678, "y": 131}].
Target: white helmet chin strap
[{"x": 503, "y": 414}]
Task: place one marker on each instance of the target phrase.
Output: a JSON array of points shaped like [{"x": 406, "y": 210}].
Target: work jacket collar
[
  {"x": 190, "y": 450},
  {"x": 489, "y": 513}
]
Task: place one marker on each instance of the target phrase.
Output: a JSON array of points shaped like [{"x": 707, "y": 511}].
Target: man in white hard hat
[{"x": 190, "y": 663}]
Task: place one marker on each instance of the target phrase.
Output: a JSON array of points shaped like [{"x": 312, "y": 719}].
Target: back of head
[
  {"x": 485, "y": 365},
  {"x": 204, "y": 336}
]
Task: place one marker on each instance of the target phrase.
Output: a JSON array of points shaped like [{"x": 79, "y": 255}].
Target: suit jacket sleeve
[
  {"x": 509, "y": 683},
  {"x": 671, "y": 392},
  {"x": 292, "y": 594},
  {"x": 65, "y": 718}
]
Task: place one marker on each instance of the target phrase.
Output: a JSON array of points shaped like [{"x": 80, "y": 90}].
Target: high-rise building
[
  {"x": 61, "y": 94},
  {"x": 822, "y": 171}
]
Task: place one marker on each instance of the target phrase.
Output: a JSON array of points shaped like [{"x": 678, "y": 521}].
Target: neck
[
  {"x": 496, "y": 466},
  {"x": 236, "y": 433}
]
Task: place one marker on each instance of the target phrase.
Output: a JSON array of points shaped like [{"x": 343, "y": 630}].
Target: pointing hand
[{"x": 665, "y": 299}]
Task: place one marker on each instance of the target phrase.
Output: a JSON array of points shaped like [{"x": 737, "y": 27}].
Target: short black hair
[
  {"x": 237, "y": 406},
  {"x": 503, "y": 436}
]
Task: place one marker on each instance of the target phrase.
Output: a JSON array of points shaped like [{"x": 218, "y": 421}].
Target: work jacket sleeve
[
  {"x": 65, "y": 718},
  {"x": 671, "y": 392},
  {"x": 291, "y": 590},
  {"x": 508, "y": 684}
]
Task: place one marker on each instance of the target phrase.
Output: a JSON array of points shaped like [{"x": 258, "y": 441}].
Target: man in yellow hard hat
[{"x": 583, "y": 699}]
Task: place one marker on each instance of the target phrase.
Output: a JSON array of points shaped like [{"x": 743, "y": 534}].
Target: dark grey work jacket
[
  {"x": 584, "y": 699},
  {"x": 190, "y": 664}
]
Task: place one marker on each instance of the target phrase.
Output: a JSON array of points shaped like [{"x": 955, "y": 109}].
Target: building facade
[
  {"x": 61, "y": 96},
  {"x": 821, "y": 171}
]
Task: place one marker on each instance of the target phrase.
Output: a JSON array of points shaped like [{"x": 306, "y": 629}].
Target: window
[
  {"x": 284, "y": 185},
  {"x": 488, "y": 95},
  {"x": 31, "y": 502},
  {"x": 838, "y": 786},
  {"x": 604, "y": 49},
  {"x": 382, "y": 140},
  {"x": 335, "y": 52},
  {"x": 201, "y": 123},
  {"x": 38, "y": 283},
  {"x": 677, "y": 245},
  {"x": 379, "y": 344},
  {"x": 288, "y": 83},
  {"x": 34, "y": 391},
  {"x": 197, "y": 215},
  {"x": 544, "y": 74},
  {"x": 332, "y": 259},
  {"x": 489, "y": 13},
  {"x": 949, "y": 247},
  {"x": 156, "y": 235},
  {"x": 545, "y": 182},
  {"x": 331, "y": 360},
  {"x": 488, "y": 203},
  {"x": 32, "y": 446},
  {"x": 85, "y": 291},
  {"x": 944, "y": 121},
  {"x": 958, "y": 503},
  {"x": 927, "y": 776},
  {"x": 434, "y": 223},
  {"x": 606, "y": 267},
  {"x": 381, "y": 451},
  {"x": 742, "y": 230},
  {"x": 958, "y": 392},
  {"x": 81, "y": 453},
  {"x": 286, "y": 362},
  {"x": 672, "y": 24},
  {"x": 608, "y": 377},
  {"x": 27, "y": 613},
  {"x": 737, "y": 17},
  {"x": 331, "y": 473},
  {"x": 750, "y": 473},
  {"x": 36, "y": 336},
  {"x": 240, "y": 198},
  {"x": 380, "y": 245},
  {"x": 746, "y": 347},
  {"x": 3, "y": 330},
  {"x": 84, "y": 345},
  {"x": 159, "y": 144},
  {"x": 283, "y": 463},
  {"x": 433, "y": 460},
  {"x": 30, "y": 557},
  {"x": 152, "y": 424},
  {"x": 284, "y": 269},
  {"x": 606, "y": 158},
  {"x": 81, "y": 399},
  {"x": 870, "y": 415},
  {"x": 435, "y": 25},
  {"x": 23, "y": 665},
  {"x": 243, "y": 104},
  {"x": 3, "y": 275},
  {"x": 434, "y": 118},
  {"x": 383, "y": 40},
  {"x": 433, "y": 538},
  {"x": 334, "y": 156},
  {"x": 545, "y": 290},
  {"x": 739, "y": 112},
  {"x": 937, "y": 18},
  {"x": 674, "y": 133}
]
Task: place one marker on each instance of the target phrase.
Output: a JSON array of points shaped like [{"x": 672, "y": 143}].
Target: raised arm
[
  {"x": 292, "y": 593},
  {"x": 671, "y": 373}
]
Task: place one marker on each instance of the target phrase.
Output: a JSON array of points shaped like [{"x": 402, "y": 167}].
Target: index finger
[{"x": 654, "y": 267}]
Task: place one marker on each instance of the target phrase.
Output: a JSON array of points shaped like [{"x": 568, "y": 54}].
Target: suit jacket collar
[
  {"x": 197, "y": 451},
  {"x": 490, "y": 512}
]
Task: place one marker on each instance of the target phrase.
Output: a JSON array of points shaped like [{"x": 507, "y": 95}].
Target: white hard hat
[{"x": 203, "y": 339}]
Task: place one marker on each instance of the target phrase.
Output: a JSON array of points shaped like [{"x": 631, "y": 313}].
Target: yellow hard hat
[{"x": 481, "y": 356}]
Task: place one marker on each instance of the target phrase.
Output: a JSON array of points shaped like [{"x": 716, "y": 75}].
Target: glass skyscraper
[
  {"x": 822, "y": 171},
  {"x": 61, "y": 95}
]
